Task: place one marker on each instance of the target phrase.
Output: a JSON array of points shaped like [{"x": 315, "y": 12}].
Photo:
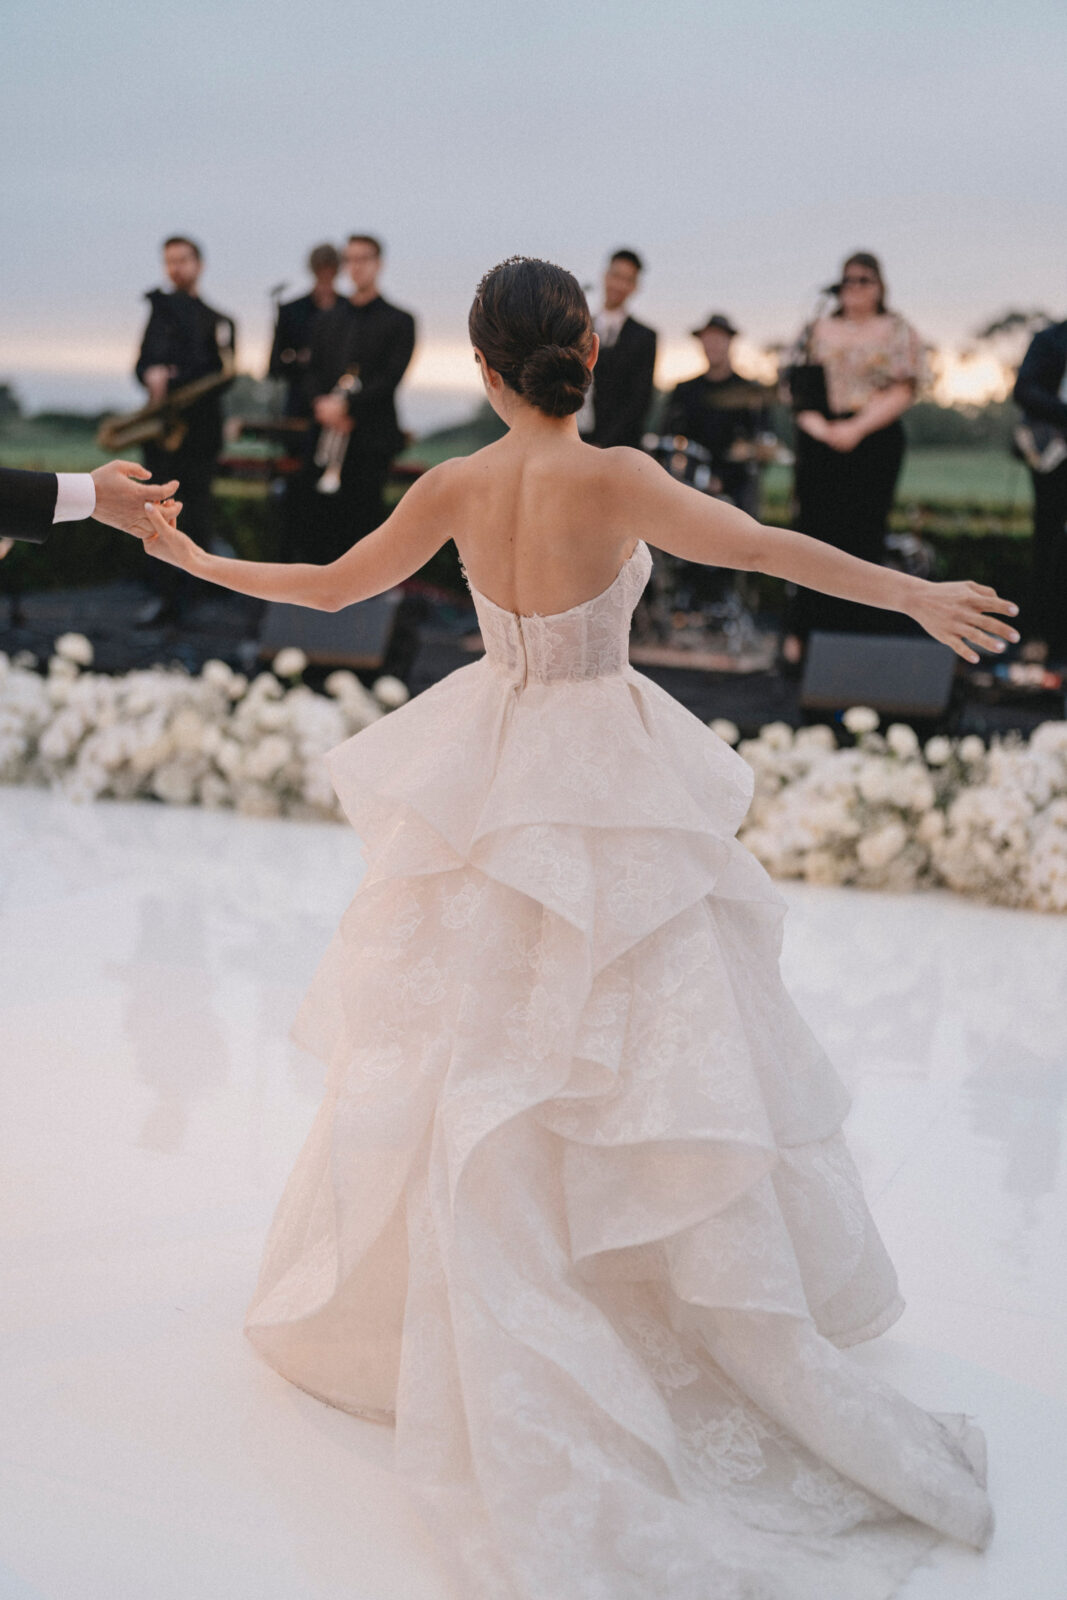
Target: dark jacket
[
  {"x": 717, "y": 412},
  {"x": 1039, "y": 386},
  {"x": 186, "y": 334},
  {"x": 622, "y": 386},
  {"x": 376, "y": 340},
  {"x": 291, "y": 350},
  {"x": 27, "y": 504}
]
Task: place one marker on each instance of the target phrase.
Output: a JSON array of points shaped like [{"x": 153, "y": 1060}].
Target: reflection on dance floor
[{"x": 152, "y": 958}]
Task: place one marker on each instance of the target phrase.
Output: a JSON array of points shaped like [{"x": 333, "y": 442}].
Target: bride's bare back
[{"x": 541, "y": 527}]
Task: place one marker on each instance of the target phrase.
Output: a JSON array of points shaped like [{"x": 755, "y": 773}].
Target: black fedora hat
[{"x": 716, "y": 319}]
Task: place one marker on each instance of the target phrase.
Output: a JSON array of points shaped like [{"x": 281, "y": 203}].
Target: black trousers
[
  {"x": 1046, "y": 614},
  {"x": 194, "y": 467},
  {"x": 845, "y": 498},
  {"x": 320, "y": 527}
]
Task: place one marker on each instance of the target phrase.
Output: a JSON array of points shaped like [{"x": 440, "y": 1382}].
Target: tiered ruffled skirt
[{"x": 576, "y": 1212}]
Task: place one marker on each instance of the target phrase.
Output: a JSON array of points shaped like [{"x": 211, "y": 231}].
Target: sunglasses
[{"x": 856, "y": 278}]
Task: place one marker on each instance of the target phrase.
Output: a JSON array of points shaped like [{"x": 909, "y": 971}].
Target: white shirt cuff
[{"x": 76, "y": 496}]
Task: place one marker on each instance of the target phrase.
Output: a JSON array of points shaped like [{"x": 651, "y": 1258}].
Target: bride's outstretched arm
[
  {"x": 690, "y": 525},
  {"x": 406, "y": 540}
]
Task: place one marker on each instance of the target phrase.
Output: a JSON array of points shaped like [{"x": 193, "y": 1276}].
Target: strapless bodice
[{"x": 590, "y": 640}]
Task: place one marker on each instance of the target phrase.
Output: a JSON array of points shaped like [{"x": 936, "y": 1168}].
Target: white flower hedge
[
  {"x": 882, "y": 813},
  {"x": 886, "y": 813},
  {"x": 214, "y": 740}
]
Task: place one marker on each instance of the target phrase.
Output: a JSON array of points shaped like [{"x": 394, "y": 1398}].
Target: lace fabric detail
[
  {"x": 576, "y": 1211},
  {"x": 589, "y": 640}
]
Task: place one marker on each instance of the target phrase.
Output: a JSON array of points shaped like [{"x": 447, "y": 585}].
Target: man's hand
[
  {"x": 121, "y": 494},
  {"x": 331, "y": 411},
  {"x": 5, "y": 546}
]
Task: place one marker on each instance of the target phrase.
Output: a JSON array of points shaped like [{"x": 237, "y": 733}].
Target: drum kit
[{"x": 686, "y": 604}]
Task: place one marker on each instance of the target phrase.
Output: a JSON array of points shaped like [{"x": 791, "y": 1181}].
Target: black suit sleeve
[
  {"x": 393, "y": 366},
  {"x": 1040, "y": 377},
  {"x": 283, "y": 340},
  {"x": 27, "y": 504},
  {"x": 635, "y": 394},
  {"x": 156, "y": 348}
]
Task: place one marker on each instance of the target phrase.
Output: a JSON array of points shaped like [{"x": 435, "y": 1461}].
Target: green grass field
[{"x": 978, "y": 479}]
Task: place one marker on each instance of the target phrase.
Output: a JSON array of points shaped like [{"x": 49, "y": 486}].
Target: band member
[
  {"x": 1041, "y": 391},
  {"x": 291, "y": 350},
  {"x": 360, "y": 350},
  {"x": 618, "y": 403},
  {"x": 185, "y": 339},
  {"x": 850, "y": 442},
  {"x": 724, "y": 412}
]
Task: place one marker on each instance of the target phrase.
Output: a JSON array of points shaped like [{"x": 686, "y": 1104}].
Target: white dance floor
[{"x": 150, "y": 961}]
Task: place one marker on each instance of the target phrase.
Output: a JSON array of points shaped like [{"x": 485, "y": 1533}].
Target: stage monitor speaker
[
  {"x": 358, "y": 636},
  {"x": 903, "y": 676}
]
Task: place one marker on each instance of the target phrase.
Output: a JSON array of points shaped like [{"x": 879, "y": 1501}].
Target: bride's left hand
[{"x": 166, "y": 541}]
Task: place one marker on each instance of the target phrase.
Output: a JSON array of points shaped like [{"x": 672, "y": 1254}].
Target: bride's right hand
[
  {"x": 166, "y": 541},
  {"x": 963, "y": 615}
]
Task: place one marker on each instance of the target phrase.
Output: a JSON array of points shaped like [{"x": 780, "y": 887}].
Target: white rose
[
  {"x": 217, "y": 675},
  {"x": 931, "y": 827},
  {"x": 174, "y": 782},
  {"x": 876, "y": 850},
  {"x": 1050, "y": 738},
  {"x": 187, "y": 730},
  {"x": 818, "y": 739},
  {"x": 938, "y": 750},
  {"x": 902, "y": 740},
  {"x": 727, "y": 730},
  {"x": 776, "y": 735},
  {"x": 272, "y": 716},
  {"x": 873, "y": 782},
  {"x": 971, "y": 749},
  {"x": 268, "y": 757},
  {"x": 265, "y": 686},
  {"x": 228, "y": 756},
  {"x": 289, "y": 663},
  {"x": 860, "y": 719},
  {"x": 74, "y": 647},
  {"x": 390, "y": 692},
  {"x": 823, "y": 867}
]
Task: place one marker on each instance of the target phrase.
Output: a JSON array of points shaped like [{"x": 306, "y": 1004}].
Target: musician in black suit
[
  {"x": 31, "y": 503},
  {"x": 366, "y": 343},
  {"x": 723, "y": 412},
  {"x": 291, "y": 350},
  {"x": 1041, "y": 392},
  {"x": 619, "y": 400},
  {"x": 185, "y": 340}
]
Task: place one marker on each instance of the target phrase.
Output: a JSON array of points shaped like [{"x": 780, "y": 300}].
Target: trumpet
[
  {"x": 332, "y": 447},
  {"x": 162, "y": 420}
]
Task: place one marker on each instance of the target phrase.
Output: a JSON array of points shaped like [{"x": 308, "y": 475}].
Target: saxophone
[
  {"x": 162, "y": 421},
  {"x": 332, "y": 447}
]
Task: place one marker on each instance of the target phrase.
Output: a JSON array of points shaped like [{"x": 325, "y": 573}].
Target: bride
[{"x": 576, "y": 1215}]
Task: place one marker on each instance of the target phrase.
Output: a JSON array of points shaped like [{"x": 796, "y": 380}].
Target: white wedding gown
[{"x": 576, "y": 1211}]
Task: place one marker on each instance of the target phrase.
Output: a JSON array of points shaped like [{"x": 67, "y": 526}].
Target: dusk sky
[{"x": 742, "y": 148}]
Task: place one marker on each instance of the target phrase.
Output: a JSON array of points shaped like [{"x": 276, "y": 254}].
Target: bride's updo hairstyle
[{"x": 531, "y": 322}]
